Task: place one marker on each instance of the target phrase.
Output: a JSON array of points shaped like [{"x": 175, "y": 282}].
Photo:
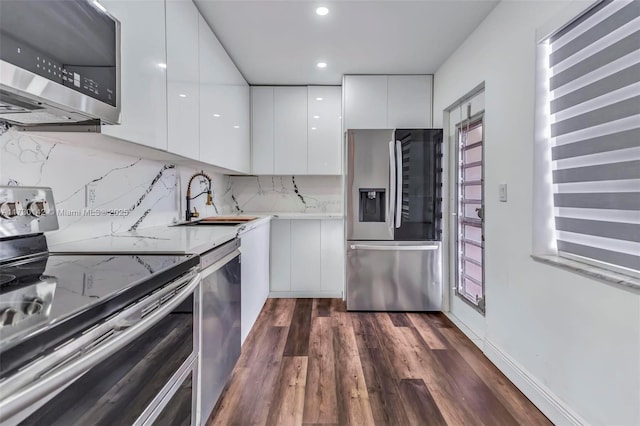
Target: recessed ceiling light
[
  {"x": 182, "y": 95},
  {"x": 236, "y": 127},
  {"x": 163, "y": 66},
  {"x": 216, "y": 115},
  {"x": 321, "y": 64},
  {"x": 316, "y": 116},
  {"x": 322, "y": 11},
  {"x": 313, "y": 128},
  {"x": 318, "y": 99}
]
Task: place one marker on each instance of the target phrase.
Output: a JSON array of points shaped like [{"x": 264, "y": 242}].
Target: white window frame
[{"x": 544, "y": 245}]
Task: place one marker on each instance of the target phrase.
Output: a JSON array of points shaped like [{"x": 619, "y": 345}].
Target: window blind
[{"x": 594, "y": 83}]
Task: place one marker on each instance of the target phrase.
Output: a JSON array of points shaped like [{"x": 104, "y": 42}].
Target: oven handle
[{"x": 29, "y": 395}]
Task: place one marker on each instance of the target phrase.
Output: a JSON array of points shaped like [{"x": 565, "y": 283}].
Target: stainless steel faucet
[{"x": 189, "y": 214}]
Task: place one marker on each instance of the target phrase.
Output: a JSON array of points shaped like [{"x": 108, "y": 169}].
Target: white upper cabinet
[
  {"x": 224, "y": 107},
  {"x": 387, "y": 102},
  {"x": 290, "y": 130},
  {"x": 409, "y": 101},
  {"x": 182, "y": 78},
  {"x": 296, "y": 130},
  {"x": 262, "y": 130},
  {"x": 143, "y": 76},
  {"x": 365, "y": 101},
  {"x": 324, "y": 129}
]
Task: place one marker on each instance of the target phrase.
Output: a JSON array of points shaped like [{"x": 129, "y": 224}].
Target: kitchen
[{"x": 219, "y": 88}]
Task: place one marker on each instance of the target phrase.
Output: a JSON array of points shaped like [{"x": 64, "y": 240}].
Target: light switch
[{"x": 502, "y": 190}]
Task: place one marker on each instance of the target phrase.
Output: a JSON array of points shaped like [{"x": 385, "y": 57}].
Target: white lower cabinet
[
  {"x": 254, "y": 272},
  {"x": 307, "y": 258},
  {"x": 305, "y": 255}
]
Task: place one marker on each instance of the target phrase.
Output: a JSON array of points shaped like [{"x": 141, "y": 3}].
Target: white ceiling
[{"x": 280, "y": 42}]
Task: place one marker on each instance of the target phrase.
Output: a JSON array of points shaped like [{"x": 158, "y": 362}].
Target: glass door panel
[{"x": 470, "y": 213}]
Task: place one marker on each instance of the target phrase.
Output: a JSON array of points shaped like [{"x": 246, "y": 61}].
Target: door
[
  {"x": 470, "y": 212},
  {"x": 394, "y": 276},
  {"x": 368, "y": 185}
]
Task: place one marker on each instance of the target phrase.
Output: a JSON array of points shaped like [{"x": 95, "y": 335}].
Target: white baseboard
[
  {"x": 305, "y": 294},
  {"x": 546, "y": 401}
]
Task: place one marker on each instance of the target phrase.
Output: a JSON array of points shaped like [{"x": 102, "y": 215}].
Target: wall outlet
[{"x": 502, "y": 192}]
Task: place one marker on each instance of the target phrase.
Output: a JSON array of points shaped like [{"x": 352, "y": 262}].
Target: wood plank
[
  {"x": 289, "y": 395},
  {"x": 412, "y": 359},
  {"x": 400, "y": 319},
  {"x": 475, "y": 393},
  {"x": 283, "y": 312},
  {"x": 509, "y": 395},
  {"x": 384, "y": 396},
  {"x": 256, "y": 396},
  {"x": 419, "y": 404},
  {"x": 438, "y": 320},
  {"x": 298, "y": 338},
  {"x": 431, "y": 336},
  {"x": 320, "y": 402},
  {"x": 232, "y": 397},
  {"x": 352, "y": 396},
  {"x": 404, "y": 359},
  {"x": 323, "y": 307},
  {"x": 365, "y": 330}
]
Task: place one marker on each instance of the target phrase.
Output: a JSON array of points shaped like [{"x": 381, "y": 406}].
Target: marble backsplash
[
  {"x": 100, "y": 192},
  {"x": 299, "y": 194}
]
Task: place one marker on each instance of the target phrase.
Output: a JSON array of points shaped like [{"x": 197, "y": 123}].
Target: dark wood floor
[{"x": 307, "y": 361}]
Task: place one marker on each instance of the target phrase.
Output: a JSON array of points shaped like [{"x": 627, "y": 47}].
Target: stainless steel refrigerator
[{"x": 393, "y": 224}]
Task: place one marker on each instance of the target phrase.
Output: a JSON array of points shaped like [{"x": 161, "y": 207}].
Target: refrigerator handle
[
  {"x": 398, "y": 200},
  {"x": 428, "y": 247},
  {"x": 391, "y": 203}
]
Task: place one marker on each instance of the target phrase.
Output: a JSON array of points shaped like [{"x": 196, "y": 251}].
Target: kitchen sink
[{"x": 219, "y": 221}]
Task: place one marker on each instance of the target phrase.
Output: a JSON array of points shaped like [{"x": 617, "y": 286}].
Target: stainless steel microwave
[{"x": 59, "y": 62}]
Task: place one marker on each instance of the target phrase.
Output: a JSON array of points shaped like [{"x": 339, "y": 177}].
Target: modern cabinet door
[
  {"x": 280, "y": 255},
  {"x": 332, "y": 256},
  {"x": 365, "y": 98},
  {"x": 262, "y": 149},
  {"x": 254, "y": 275},
  {"x": 183, "y": 78},
  {"x": 409, "y": 101},
  {"x": 305, "y": 255},
  {"x": 143, "y": 85},
  {"x": 324, "y": 129},
  {"x": 290, "y": 130},
  {"x": 224, "y": 106}
]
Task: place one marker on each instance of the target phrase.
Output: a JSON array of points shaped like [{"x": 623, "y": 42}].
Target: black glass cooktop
[{"x": 79, "y": 290}]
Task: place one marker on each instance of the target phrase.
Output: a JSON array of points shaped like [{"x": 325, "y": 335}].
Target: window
[{"x": 594, "y": 111}]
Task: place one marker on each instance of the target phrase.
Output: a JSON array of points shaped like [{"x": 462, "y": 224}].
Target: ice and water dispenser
[{"x": 372, "y": 205}]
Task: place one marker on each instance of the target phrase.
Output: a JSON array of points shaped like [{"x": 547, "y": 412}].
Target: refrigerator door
[
  {"x": 368, "y": 185},
  {"x": 394, "y": 276},
  {"x": 419, "y": 182}
]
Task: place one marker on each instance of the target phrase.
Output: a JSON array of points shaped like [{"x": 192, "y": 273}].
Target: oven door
[{"x": 137, "y": 367}]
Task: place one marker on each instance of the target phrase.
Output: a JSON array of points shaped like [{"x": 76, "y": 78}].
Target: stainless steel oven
[
  {"x": 98, "y": 339},
  {"x": 138, "y": 366}
]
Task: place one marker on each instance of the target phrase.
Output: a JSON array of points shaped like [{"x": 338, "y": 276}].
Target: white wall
[
  {"x": 576, "y": 337},
  {"x": 153, "y": 191}
]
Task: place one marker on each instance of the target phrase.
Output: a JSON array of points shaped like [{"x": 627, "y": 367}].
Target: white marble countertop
[{"x": 161, "y": 239}]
